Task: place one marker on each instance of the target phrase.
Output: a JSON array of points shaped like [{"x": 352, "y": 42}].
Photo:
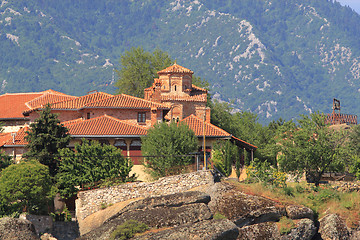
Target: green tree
[
  {"x": 166, "y": 144},
  {"x": 138, "y": 69},
  {"x": 312, "y": 148},
  {"x": 224, "y": 155},
  {"x": 5, "y": 160},
  {"x": 26, "y": 187},
  {"x": 91, "y": 162},
  {"x": 46, "y": 137}
]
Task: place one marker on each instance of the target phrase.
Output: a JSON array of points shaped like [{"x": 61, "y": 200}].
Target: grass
[
  {"x": 285, "y": 225},
  {"x": 322, "y": 200},
  {"x": 128, "y": 230}
]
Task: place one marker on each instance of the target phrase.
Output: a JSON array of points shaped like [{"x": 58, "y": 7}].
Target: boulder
[
  {"x": 157, "y": 217},
  {"x": 261, "y": 231},
  {"x": 299, "y": 212},
  {"x": 16, "y": 229},
  {"x": 206, "y": 230},
  {"x": 355, "y": 235},
  {"x": 305, "y": 230},
  {"x": 244, "y": 209},
  {"x": 333, "y": 227},
  {"x": 171, "y": 200}
]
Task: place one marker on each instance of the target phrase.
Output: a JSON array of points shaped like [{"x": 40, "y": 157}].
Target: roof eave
[{"x": 107, "y": 136}]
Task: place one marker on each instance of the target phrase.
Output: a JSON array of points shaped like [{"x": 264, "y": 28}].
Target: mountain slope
[{"x": 274, "y": 58}]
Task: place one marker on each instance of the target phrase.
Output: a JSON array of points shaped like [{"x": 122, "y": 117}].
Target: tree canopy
[
  {"x": 46, "y": 137},
  {"x": 26, "y": 186},
  {"x": 166, "y": 145},
  {"x": 138, "y": 69},
  {"x": 89, "y": 163},
  {"x": 311, "y": 147}
]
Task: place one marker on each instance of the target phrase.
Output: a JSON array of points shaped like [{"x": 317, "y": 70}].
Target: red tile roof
[
  {"x": 4, "y": 137},
  {"x": 197, "y": 125},
  {"x": 102, "y": 126},
  {"x": 12, "y": 105},
  {"x": 175, "y": 69},
  {"x": 244, "y": 143},
  {"x": 125, "y": 101},
  {"x": 80, "y": 102},
  {"x": 48, "y": 98},
  {"x": 19, "y": 138}
]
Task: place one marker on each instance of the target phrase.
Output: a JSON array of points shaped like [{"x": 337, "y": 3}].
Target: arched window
[{"x": 175, "y": 88}]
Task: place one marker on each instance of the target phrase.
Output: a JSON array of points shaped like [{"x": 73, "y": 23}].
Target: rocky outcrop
[
  {"x": 244, "y": 209},
  {"x": 158, "y": 212},
  {"x": 305, "y": 230},
  {"x": 16, "y": 229},
  {"x": 266, "y": 230},
  {"x": 299, "y": 212},
  {"x": 171, "y": 200},
  {"x": 333, "y": 227},
  {"x": 204, "y": 230},
  {"x": 189, "y": 215}
]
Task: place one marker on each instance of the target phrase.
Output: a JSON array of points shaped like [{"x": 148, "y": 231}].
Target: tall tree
[
  {"x": 166, "y": 145},
  {"x": 138, "y": 69},
  {"x": 45, "y": 137},
  {"x": 311, "y": 147}
]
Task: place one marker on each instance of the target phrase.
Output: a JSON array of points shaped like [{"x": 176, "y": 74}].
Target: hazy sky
[{"x": 354, "y": 4}]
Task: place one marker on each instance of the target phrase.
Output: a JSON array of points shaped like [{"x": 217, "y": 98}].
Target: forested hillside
[{"x": 274, "y": 58}]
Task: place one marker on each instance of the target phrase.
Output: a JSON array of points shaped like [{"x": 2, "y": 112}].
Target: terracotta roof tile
[
  {"x": 48, "y": 98},
  {"x": 12, "y": 105},
  {"x": 175, "y": 69},
  {"x": 19, "y": 138},
  {"x": 104, "y": 125},
  {"x": 126, "y": 101},
  {"x": 80, "y": 102},
  {"x": 197, "y": 125},
  {"x": 4, "y": 137},
  {"x": 243, "y": 142}
]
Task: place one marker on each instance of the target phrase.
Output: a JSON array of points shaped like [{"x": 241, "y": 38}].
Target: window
[
  {"x": 141, "y": 117},
  {"x": 88, "y": 115}
]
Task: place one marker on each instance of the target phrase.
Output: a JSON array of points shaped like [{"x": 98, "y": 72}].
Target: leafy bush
[
  {"x": 128, "y": 230},
  {"x": 63, "y": 216},
  {"x": 168, "y": 144},
  {"x": 265, "y": 173},
  {"x": 26, "y": 186},
  {"x": 289, "y": 191},
  {"x": 91, "y": 163}
]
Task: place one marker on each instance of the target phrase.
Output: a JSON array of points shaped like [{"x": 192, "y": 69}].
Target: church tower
[{"x": 174, "y": 87}]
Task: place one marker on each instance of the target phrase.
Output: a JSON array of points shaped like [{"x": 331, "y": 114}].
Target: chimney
[
  {"x": 153, "y": 116},
  {"x": 208, "y": 114},
  {"x": 13, "y": 134},
  {"x": 157, "y": 91}
]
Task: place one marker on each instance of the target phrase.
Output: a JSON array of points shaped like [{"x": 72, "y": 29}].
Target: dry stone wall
[{"x": 91, "y": 201}]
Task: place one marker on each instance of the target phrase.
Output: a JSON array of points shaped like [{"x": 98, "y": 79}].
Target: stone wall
[
  {"x": 41, "y": 223},
  {"x": 90, "y": 201}
]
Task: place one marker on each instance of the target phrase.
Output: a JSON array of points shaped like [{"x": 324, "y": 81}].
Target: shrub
[
  {"x": 169, "y": 146},
  {"x": 63, "y": 216},
  {"x": 128, "y": 230},
  {"x": 265, "y": 173},
  {"x": 218, "y": 215},
  {"x": 285, "y": 225}
]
